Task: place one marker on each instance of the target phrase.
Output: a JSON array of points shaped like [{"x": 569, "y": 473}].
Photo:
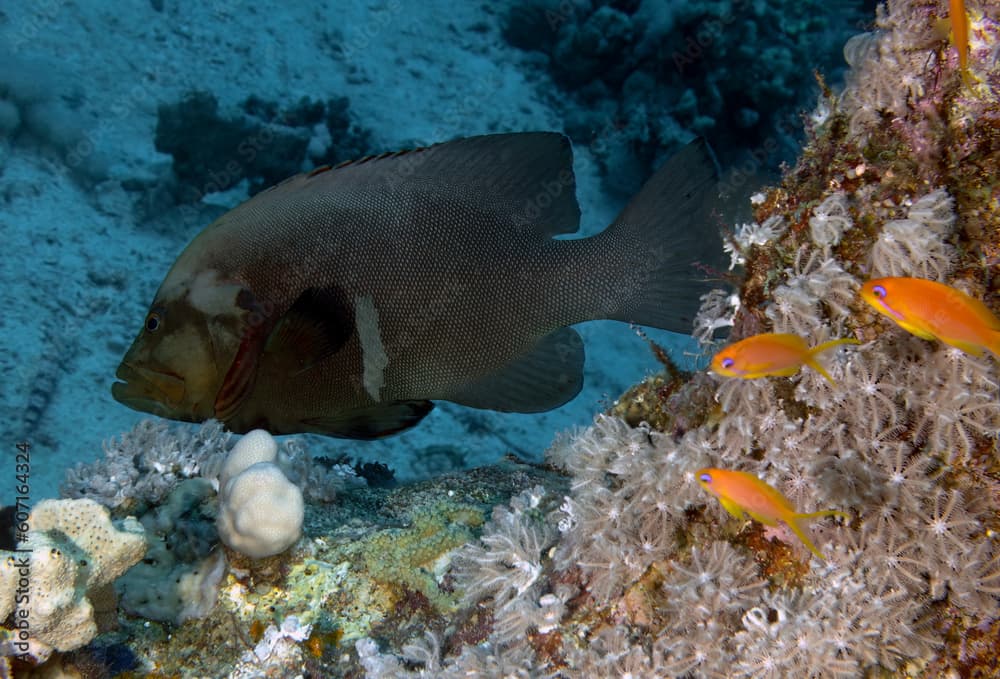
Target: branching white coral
[
  {"x": 882, "y": 79},
  {"x": 742, "y": 401},
  {"x": 905, "y": 479},
  {"x": 716, "y": 580},
  {"x": 951, "y": 414},
  {"x": 945, "y": 526},
  {"x": 977, "y": 587},
  {"x": 936, "y": 211},
  {"x": 143, "y": 465},
  {"x": 814, "y": 282},
  {"x": 908, "y": 248}
]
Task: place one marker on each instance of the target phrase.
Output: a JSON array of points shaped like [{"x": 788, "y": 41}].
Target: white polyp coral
[
  {"x": 260, "y": 510},
  {"x": 916, "y": 246},
  {"x": 908, "y": 248},
  {"x": 830, "y": 220},
  {"x": 936, "y": 211},
  {"x": 747, "y": 235}
]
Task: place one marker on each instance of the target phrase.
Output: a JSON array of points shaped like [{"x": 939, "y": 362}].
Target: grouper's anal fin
[
  {"x": 377, "y": 421},
  {"x": 546, "y": 377}
]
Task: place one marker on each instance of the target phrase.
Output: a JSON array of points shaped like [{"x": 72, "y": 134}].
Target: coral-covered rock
[{"x": 72, "y": 551}]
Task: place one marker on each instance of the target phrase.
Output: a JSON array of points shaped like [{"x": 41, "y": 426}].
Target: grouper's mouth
[{"x": 147, "y": 390}]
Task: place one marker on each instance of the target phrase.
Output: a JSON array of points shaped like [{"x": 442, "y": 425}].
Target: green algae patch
[{"x": 416, "y": 556}]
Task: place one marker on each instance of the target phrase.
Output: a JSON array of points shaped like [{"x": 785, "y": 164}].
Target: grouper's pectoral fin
[
  {"x": 315, "y": 327},
  {"x": 373, "y": 422},
  {"x": 545, "y": 377}
]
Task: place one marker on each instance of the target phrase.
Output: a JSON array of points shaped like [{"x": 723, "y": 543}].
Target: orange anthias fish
[
  {"x": 777, "y": 354},
  {"x": 960, "y": 35},
  {"x": 741, "y": 492},
  {"x": 936, "y": 311}
]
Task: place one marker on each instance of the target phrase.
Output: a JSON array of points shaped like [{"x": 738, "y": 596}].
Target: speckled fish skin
[{"x": 345, "y": 300}]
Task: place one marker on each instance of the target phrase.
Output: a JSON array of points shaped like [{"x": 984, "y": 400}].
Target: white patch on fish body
[
  {"x": 207, "y": 292},
  {"x": 373, "y": 356}
]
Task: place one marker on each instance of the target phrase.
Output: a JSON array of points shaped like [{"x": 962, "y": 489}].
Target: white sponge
[{"x": 260, "y": 510}]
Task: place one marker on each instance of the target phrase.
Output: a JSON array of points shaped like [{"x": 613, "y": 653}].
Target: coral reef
[
  {"x": 179, "y": 576},
  {"x": 645, "y": 576},
  {"x": 649, "y": 75},
  {"x": 376, "y": 563},
  {"x": 611, "y": 560},
  {"x": 260, "y": 510}
]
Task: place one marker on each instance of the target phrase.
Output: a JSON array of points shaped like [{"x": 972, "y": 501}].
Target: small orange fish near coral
[
  {"x": 959, "y": 20},
  {"x": 741, "y": 492},
  {"x": 936, "y": 311},
  {"x": 779, "y": 354}
]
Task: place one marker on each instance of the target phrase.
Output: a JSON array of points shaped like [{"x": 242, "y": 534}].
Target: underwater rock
[
  {"x": 178, "y": 578},
  {"x": 265, "y": 145},
  {"x": 212, "y": 153}
]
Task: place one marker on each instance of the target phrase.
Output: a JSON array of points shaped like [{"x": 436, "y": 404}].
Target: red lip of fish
[{"x": 147, "y": 386}]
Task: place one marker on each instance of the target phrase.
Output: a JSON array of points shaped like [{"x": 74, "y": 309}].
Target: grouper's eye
[{"x": 153, "y": 321}]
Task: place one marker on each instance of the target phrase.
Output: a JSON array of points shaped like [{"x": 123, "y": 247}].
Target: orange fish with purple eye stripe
[
  {"x": 778, "y": 354},
  {"x": 741, "y": 492},
  {"x": 932, "y": 310}
]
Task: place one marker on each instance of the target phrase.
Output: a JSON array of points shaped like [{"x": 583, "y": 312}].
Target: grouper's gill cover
[{"x": 345, "y": 300}]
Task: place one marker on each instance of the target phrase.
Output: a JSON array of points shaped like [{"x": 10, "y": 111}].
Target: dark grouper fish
[{"x": 345, "y": 300}]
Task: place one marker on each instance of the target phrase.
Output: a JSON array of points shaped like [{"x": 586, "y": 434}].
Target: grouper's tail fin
[{"x": 665, "y": 244}]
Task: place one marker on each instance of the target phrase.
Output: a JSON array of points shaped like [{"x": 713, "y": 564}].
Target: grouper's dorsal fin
[
  {"x": 545, "y": 377},
  {"x": 527, "y": 174},
  {"x": 526, "y": 178}
]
